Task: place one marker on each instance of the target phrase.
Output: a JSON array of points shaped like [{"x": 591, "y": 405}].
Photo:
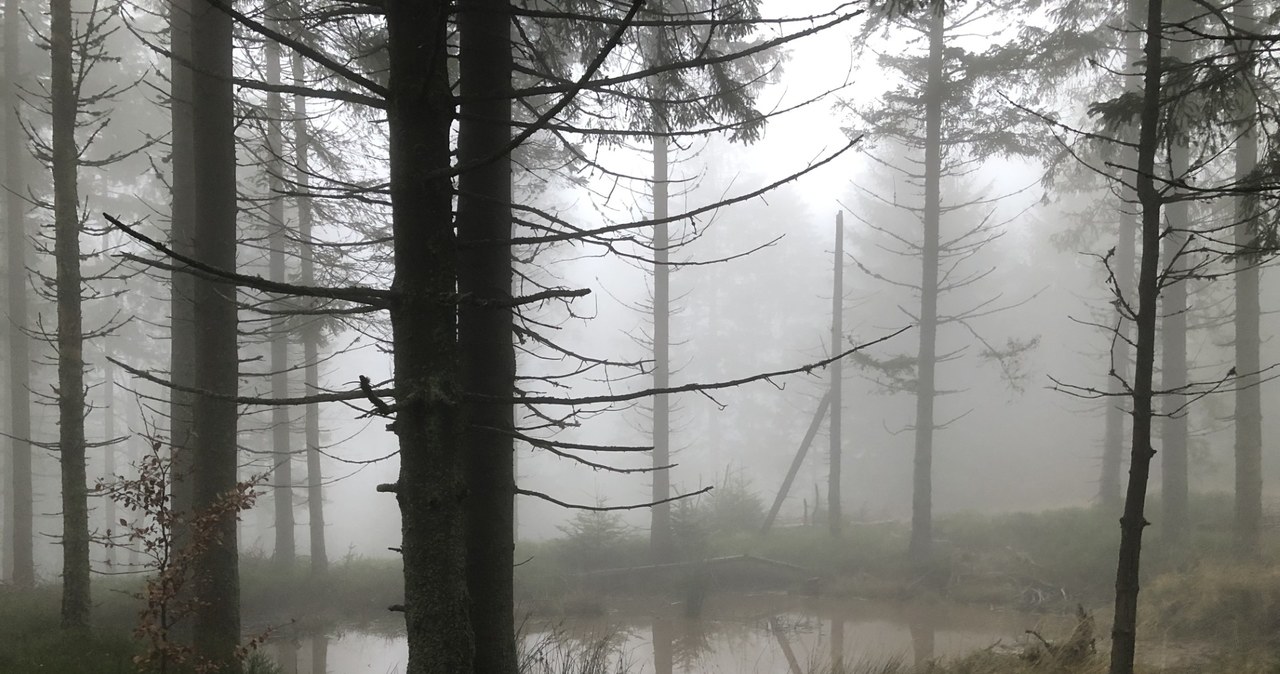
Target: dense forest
[{"x": 476, "y": 323}]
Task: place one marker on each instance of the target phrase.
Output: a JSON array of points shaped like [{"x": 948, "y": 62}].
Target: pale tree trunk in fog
[
  {"x": 216, "y": 627},
  {"x": 487, "y": 351},
  {"x": 1173, "y": 333},
  {"x": 661, "y": 546},
  {"x": 109, "y": 451},
  {"x": 66, "y": 247},
  {"x": 282, "y": 475},
  {"x": 1132, "y": 523},
  {"x": 22, "y": 530},
  {"x": 1248, "y": 414},
  {"x": 311, "y": 330},
  {"x": 834, "y": 517},
  {"x": 1109, "y": 486},
  {"x": 921, "y": 546},
  {"x": 431, "y": 485}
]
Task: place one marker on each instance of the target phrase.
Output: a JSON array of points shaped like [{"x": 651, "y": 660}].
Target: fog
[{"x": 1006, "y": 334}]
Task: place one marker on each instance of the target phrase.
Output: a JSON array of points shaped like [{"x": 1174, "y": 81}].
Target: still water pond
[{"x": 772, "y": 634}]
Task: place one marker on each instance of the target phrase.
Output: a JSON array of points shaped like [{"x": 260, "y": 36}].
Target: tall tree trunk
[
  {"x": 834, "y": 519},
  {"x": 285, "y": 546},
  {"x": 216, "y": 628},
  {"x": 661, "y": 546},
  {"x": 182, "y": 353},
  {"x": 1173, "y": 332},
  {"x": 1109, "y": 486},
  {"x": 431, "y": 488},
  {"x": 487, "y": 358},
  {"x": 66, "y": 251},
  {"x": 1124, "y": 627},
  {"x": 23, "y": 515},
  {"x": 109, "y": 451},
  {"x": 1248, "y": 413},
  {"x": 921, "y": 545},
  {"x": 311, "y": 331}
]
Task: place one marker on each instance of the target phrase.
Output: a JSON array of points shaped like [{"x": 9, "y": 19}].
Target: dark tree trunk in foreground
[
  {"x": 487, "y": 352},
  {"x": 661, "y": 546},
  {"x": 834, "y": 517},
  {"x": 216, "y": 628},
  {"x": 430, "y": 488},
  {"x": 311, "y": 330},
  {"x": 23, "y": 515},
  {"x": 921, "y": 546},
  {"x": 182, "y": 353},
  {"x": 1248, "y": 414},
  {"x": 66, "y": 251},
  {"x": 1124, "y": 627},
  {"x": 282, "y": 474}
]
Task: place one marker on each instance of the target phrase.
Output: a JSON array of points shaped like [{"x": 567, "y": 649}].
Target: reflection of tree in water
[
  {"x": 693, "y": 642},
  {"x": 923, "y": 631},
  {"x": 320, "y": 653}
]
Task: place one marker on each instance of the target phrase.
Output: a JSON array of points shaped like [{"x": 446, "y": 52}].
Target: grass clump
[{"x": 1221, "y": 601}]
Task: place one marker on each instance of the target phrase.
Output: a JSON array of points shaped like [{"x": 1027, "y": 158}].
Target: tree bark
[
  {"x": 1109, "y": 486},
  {"x": 109, "y": 452},
  {"x": 1133, "y": 522},
  {"x": 282, "y": 475},
  {"x": 66, "y": 251},
  {"x": 1173, "y": 332},
  {"x": 311, "y": 330},
  {"x": 23, "y": 515},
  {"x": 661, "y": 546},
  {"x": 216, "y": 627},
  {"x": 431, "y": 489},
  {"x": 487, "y": 358},
  {"x": 182, "y": 353},
  {"x": 834, "y": 518},
  {"x": 921, "y": 546},
  {"x": 1248, "y": 413}
]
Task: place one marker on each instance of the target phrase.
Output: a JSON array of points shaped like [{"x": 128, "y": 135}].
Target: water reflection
[
  {"x": 663, "y": 653},
  {"x": 767, "y": 634},
  {"x": 923, "y": 633},
  {"x": 320, "y": 654}
]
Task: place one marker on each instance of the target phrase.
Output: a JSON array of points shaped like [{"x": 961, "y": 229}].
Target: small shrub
[{"x": 594, "y": 540}]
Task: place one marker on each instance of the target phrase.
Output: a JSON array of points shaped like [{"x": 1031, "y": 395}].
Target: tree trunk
[
  {"x": 661, "y": 546},
  {"x": 837, "y": 379},
  {"x": 1122, "y": 265},
  {"x": 487, "y": 358},
  {"x": 66, "y": 247},
  {"x": 1248, "y": 413},
  {"x": 1173, "y": 333},
  {"x": 282, "y": 476},
  {"x": 431, "y": 489},
  {"x": 23, "y": 514},
  {"x": 921, "y": 545},
  {"x": 109, "y": 453},
  {"x": 216, "y": 628},
  {"x": 311, "y": 331},
  {"x": 1132, "y": 523},
  {"x": 182, "y": 353}
]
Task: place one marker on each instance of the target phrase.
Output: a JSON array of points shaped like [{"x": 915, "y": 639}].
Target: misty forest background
[{"x": 591, "y": 271}]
